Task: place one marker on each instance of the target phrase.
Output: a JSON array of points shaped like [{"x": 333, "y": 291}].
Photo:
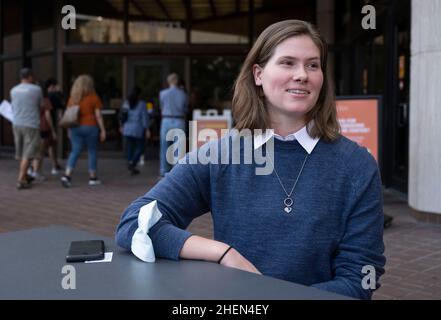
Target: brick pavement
[{"x": 413, "y": 249}]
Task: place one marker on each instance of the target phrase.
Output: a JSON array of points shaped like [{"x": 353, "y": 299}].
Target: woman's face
[{"x": 292, "y": 78}]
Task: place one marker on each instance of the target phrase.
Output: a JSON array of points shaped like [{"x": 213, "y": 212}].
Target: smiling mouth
[{"x": 298, "y": 91}]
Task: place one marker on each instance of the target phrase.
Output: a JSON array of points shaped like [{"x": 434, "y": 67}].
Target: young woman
[
  {"x": 90, "y": 129},
  {"x": 315, "y": 220},
  {"x": 135, "y": 129}
]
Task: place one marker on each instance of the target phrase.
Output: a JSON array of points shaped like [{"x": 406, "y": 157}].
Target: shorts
[{"x": 27, "y": 142}]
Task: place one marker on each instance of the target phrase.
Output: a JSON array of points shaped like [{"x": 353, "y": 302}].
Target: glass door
[
  {"x": 150, "y": 75},
  {"x": 400, "y": 159}
]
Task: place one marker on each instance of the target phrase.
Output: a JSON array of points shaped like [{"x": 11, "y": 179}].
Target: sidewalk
[{"x": 413, "y": 249}]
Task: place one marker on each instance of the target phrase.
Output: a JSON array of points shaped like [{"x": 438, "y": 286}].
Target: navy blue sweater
[{"x": 335, "y": 229}]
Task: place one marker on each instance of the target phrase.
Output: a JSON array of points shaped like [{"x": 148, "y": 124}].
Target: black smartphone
[{"x": 85, "y": 251}]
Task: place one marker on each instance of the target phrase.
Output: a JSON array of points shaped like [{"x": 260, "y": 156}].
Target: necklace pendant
[{"x": 288, "y": 203}]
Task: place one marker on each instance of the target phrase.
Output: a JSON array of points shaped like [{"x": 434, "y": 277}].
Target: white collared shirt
[{"x": 302, "y": 136}]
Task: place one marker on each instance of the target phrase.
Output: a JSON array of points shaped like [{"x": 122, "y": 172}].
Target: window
[
  {"x": 96, "y": 29},
  {"x": 157, "y": 22},
  {"x": 212, "y": 81},
  {"x": 10, "y": 79},
  {"x": 43, "y": 68},
  {"x": 156, "y": 32},
  {"x": 42, "y": 19},
  {"x": 219, "y": 22},
  {"x": 12, "y": 43},
  {"x": 106, "y": 72}
]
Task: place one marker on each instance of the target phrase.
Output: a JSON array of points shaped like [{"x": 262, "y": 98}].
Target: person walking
[
  {"x": 26, "y": 100},
  {"x": 174, "y": 105},
  {"x": 48, "y": 137},
  {"x": 90, "y": 129},
  {"x": 135, "y": 128},
  {"x": 56, "y": 99}
]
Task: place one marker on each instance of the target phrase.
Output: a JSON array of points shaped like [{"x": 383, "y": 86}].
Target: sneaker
[
  {"x": 23, "y": 185},
  {"x": 29, "y": 178},
  {"x": 54, "y": 172},
  {"x": 66, "y": 181},
  {"x": 94, "y": 182}
]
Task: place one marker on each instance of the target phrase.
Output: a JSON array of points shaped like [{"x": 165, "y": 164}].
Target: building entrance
[{"x": 150, "y": 74}]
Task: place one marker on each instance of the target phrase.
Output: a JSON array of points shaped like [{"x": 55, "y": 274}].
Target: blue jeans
[
  {"x": 80, "y": 136},
  {"x": 166, "y": 125},
  {"x": 134, "y": 149}
]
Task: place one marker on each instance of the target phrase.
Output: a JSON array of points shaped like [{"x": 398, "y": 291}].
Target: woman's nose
[{"x": 300, "y": 74}]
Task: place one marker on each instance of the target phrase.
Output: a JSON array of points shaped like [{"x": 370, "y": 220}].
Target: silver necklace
[{"x": 288, "y": 202}]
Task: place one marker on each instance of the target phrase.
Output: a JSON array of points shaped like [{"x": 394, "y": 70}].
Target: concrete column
[
  {"x": 325, "y": 23},
  {"x": 425, "y": 111}
]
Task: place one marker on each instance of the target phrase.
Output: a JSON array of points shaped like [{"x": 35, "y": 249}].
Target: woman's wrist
[
  {"x": 199, "y": 248},
  {"x": 224, "y": 254},
  {"x": 219, "y": 249}
]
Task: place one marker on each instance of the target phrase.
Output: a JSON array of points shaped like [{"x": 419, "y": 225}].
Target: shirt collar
[{"x": 302, "y": 136}]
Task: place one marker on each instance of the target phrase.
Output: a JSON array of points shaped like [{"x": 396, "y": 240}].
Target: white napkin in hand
[{"x": 142, "y": 246}]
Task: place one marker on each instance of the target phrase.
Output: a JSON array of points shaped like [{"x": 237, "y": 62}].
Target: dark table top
[{"x": 32, "y": 262}]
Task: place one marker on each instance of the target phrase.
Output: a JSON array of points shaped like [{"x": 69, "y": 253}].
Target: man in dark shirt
[{"x": 56, "y": 98}]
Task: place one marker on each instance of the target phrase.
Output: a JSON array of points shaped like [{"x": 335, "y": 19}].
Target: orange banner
[{"x": 359, "y": 122}]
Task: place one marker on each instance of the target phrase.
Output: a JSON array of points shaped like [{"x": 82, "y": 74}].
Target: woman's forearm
[
  {"x": 99, "y": 119},
  {"x": 199, "y": 248}
]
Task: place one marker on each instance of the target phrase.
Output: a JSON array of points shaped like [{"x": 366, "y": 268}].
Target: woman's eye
[
  {"x": 313, "y": 66},
  {"x": 288, "y": 63}
]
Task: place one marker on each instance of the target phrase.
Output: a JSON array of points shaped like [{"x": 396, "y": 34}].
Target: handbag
[{"x": 70, "y": 117}]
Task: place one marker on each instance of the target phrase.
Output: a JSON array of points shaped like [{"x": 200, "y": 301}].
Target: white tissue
[{"x": 142, "y": 246}]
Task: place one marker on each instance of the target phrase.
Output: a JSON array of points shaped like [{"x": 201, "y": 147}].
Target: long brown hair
[
  {"x": 82, "y": 86},
  {"x": 249, "y": 106}
]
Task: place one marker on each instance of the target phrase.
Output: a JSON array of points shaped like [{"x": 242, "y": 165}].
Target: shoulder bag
[{"x": 70, "y": 117}]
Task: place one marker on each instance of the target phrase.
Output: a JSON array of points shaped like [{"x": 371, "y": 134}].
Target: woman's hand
[
  {"x": 234, "y": 259},
  {"x": 103, "y": 135}
]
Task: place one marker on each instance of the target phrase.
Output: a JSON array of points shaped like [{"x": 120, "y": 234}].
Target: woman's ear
[{"x": 257, "y": 72}]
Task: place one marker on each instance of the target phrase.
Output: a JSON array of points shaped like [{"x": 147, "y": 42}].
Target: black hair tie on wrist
[{"x": 226, "y": 251}]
